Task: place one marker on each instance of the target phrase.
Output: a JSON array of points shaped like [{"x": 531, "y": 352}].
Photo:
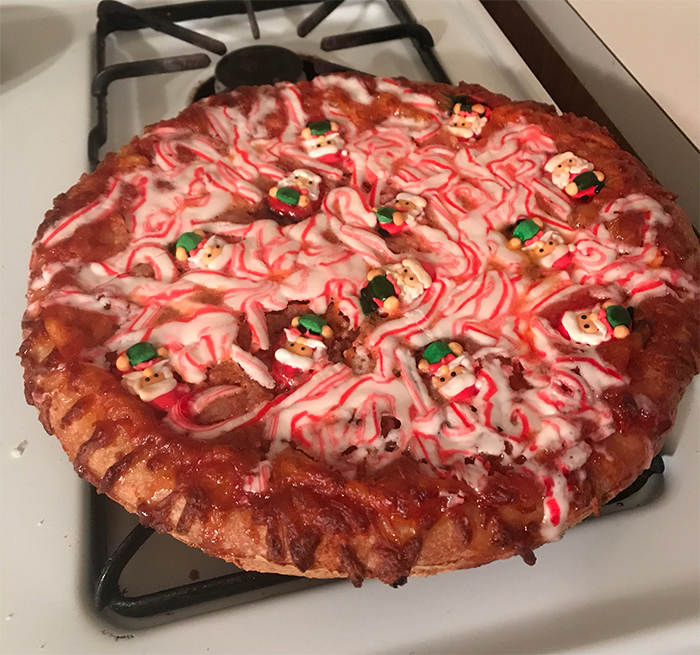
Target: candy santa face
[
  {"x": 550, "y": 250},
  {"x": 409, "y": 204},
  {"x": 584, "y": 327},
  {"x": 302, "y": 178},
  {"x": 455, "y": 380},
  {"x": 296, "y": 195},
  {"x": 404, "y": 209},
  {"x": 411, "y": 278},
  {"x": 564, "y": 166},
  {"x": 214, "y": 255},
  {"x": 322, "y": 140},
  {"x": 597, "y": 325},
  {"x": 575, "y": 175},
  {"x": 451, "y": 370},
  {"x": 468, "y": 120},
  {"x": 152, "y": 382},
  {"x": 392, "y": 285},
  {"x": 300, "y": 352}
]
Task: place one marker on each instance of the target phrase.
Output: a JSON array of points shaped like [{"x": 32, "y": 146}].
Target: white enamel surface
[{"x": 602, "y": 589}]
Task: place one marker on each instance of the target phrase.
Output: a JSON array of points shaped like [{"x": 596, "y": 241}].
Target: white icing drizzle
[{"x": 478, "y": 290}]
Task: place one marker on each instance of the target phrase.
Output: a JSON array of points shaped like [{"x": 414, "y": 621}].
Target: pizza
[{"x": 364, "y": 328}]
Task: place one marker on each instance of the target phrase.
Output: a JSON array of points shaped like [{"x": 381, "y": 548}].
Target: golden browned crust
[{"x": 312, "y": 521}]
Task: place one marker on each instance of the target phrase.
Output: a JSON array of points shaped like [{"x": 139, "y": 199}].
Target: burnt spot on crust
[
  {"x": 464, "y": 529},
  {"x": 302, "y": 547},
  {"x": 118, "y": 470},
  {"x": 101, "y": 436},
  {"x": 351, "y": 566},
  {"x": 196, "y": 508},
  {"x": 76, "y": 412}
]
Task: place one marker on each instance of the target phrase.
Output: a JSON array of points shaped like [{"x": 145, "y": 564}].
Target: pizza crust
[
  {"x": 443, "y": 547},
  {"x": 314, "y": 522}
]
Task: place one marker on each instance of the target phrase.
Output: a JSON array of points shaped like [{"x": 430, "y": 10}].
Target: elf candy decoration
[
  {"x": 575, "y": 175},
  {"x": 188, "y": 244},
  {"x": 297, "y": 194},
  {"x": 451, "y": 370},
  {"x": 598, "y": 325},
  {"x": 468, "y": 119},
  {"x": 146, "y": 374},
  {"x": 403, "y": 210},
  {"x": 301, "y": 347},
  {"x": 546, "y": 248},
  {"x": 322, "y": 141},
  {"x": 390, "y": 286}
]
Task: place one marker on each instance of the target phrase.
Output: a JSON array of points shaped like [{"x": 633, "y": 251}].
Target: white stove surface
[{"x": 628, "y": 582}]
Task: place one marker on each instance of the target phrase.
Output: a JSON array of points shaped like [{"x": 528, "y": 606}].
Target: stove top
[{"x": 600, "y": 589}]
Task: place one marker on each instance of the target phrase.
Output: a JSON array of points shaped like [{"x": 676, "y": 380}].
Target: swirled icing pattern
[{"x": 482, "y": 292}]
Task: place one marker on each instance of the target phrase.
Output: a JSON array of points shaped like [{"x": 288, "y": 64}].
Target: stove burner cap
[{"x": 257, "y": 64}]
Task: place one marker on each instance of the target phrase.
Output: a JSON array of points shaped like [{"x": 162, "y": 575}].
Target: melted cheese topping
[{"x": 480, "y": 291}]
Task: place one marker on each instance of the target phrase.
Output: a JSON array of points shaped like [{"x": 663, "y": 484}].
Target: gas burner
[
  {"x": 256, "y": 65},
  {"x": 310, "y": 68},
  {"x": 252, "y": 66}
]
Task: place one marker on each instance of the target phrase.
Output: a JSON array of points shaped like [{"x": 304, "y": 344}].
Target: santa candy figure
[
  {"x": 597, "y": 325},
  {"x": 468, "y": 119},
  {"x": 297, "y": 195},
  {"x": 393, "y": 285},
  {"x": 575, "y": 175},
  {"x": 395, "y": 216},
  {"x": 301, "y": 347},
  {"x": 147, "y": 374},
  {"x": 322, "y": 141},
  {"x": 451, "y": 370},
  {"x": 545, "y": 247},
  {"x": 214, "y": 254}
]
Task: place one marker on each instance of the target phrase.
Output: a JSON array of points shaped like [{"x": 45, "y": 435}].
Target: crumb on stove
[
  {"x": 19, "y": 450},
  {"x": 109, "y": 633},
  {"x": 193, "y": 575}
]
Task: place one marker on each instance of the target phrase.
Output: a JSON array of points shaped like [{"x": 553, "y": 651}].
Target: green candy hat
[
  {"x": 141, "y": 352},
  {"x": 189, "y": 241},
  {"x": 385, "y": 214},
  {"x": 139, "y": 356},
  {"x": 288, "y": 195},
  {"x": 312, "y": 323},
  {"x": 526, "y": 229},
  {"x": 618, "y": 315},
  {"x": 319, "y": 128},
  {"x": 436, "y": 351}
]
